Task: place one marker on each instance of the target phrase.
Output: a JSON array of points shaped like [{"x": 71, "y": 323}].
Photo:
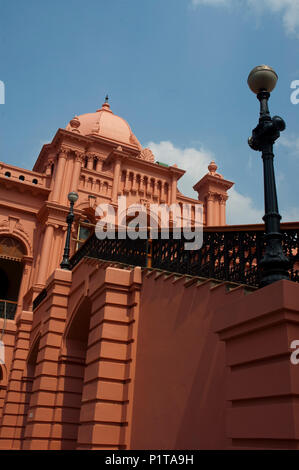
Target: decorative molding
[
  {"x": 147, "y": 155},
  {"x": 63, "y": 152},
  {"x": 79, "y": 156},
  {"x": 13, "y": 226}
]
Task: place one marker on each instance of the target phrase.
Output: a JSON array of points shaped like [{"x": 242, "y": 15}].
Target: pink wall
[{"x": 179, "y": 395}]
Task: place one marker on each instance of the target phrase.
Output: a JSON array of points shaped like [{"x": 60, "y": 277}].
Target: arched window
[
  {"x": 11, "y": 269},
  {"x": 11, "y": 248}
]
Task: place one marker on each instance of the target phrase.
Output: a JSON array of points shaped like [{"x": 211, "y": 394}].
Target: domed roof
[{"x": 103, "y": 123}]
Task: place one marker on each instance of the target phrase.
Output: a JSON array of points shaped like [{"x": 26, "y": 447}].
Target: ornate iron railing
[
  {"x": 8, "y": 309},
  {"x": 125, "y": 250},
  {"x": 230, "y": 253}
]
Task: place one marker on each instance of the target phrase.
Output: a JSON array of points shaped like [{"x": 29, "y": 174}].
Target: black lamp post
[
  {"x": 274, "y": 264},
  {"x": 65, "y": 264}
]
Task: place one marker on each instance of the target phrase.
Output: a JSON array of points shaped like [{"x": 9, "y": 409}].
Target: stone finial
[
  {"x": 212, "y": 168},
  {"x": 75, "y": 123}
]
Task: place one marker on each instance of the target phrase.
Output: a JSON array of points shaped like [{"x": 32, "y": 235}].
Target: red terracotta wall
[
  {"x": 179, "y": 395},
  {"x": 8, "y": 339}
]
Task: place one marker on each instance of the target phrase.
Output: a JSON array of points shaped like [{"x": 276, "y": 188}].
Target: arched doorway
[
  {"x": 12, "y": 252},
  {"x": 76, "y": 341}
]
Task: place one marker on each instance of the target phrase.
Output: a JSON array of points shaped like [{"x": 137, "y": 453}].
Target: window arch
[
  {"x": 11, "y": 248},
  {"x": 12, "y": 252}
]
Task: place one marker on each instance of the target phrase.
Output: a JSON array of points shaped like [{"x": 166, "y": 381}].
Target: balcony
[{"x": 228, "y": 253}]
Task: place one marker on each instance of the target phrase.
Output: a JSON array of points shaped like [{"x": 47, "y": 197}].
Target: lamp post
[
  {"x": 274, "y": 264},
  {"x": 65, "y": 264}
]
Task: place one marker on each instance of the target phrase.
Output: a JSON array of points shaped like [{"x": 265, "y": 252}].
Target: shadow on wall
[{"x": 72, "y": 366}]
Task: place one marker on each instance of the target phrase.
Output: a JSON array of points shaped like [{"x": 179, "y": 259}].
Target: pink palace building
[{"x": 141, "y": 345}]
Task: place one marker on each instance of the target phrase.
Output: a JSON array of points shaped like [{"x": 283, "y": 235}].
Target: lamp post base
[
  {"x": 274, "y": 265},
  {"x": 65, "y": 264}
]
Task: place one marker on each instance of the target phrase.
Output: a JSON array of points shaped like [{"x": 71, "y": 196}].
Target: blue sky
[{"x": 176, "y": 70}]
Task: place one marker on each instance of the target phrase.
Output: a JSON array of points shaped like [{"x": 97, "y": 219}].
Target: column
[
  {"x": 49, "y": 167},
  {"x": 110, "y": 361},
  {"x": 67, "y": 179},
  {"x": 18, "y": 388},
  {"x": 223, "y": 200},
  {"x": 116, "y": 175},
  {"x": 46, "y": 427},
  {"x": 141, "y": 186},
  {"x": 216, "y": 210},
  {"x": 173, "y": 189},
  {"x": 90, "y": 162},
  {"x": 27, "y": 260},
  {"x": 126, "y": 183},
  {"x": 210, "y": 209},
  {"x": 149, "y": 189},
  {"x": 134, "y": 184},
  {"x": 59, "y": 175},
  {"x": 99, "y": 164},
  {"x": 155, "y": 188},
  {"x": 45, "y": 255},
  {"x": 77, "y": 170}
]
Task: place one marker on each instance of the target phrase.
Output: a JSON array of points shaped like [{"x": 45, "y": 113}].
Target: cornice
[
  {"x": 56, "y": 212},
  {"x": 17, "y": 207},
  {"x": 138, "y": 163},
  {"x": 213, "y": 180}
]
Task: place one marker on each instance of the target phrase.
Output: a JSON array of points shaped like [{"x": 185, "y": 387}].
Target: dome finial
[{"x": 106, "y": 105}]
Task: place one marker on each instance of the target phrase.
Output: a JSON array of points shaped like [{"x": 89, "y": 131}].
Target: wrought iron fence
[
  {"x": 231, "y": 254},
  {"x": 8, "y": 309},
  {"x": 124, "y": 250}
]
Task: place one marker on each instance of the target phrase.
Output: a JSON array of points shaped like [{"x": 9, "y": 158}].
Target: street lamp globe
[
  {"x": 262, "y": 78},
  {"x": 73, "y": 196}
]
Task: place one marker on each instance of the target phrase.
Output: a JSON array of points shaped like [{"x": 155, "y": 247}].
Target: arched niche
[
  {"x": 12, "y": 252},
  {"x": 73, "y": 357}
]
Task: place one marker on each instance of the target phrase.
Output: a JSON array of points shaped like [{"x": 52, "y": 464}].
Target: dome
[{"x": 103, "y": 123}]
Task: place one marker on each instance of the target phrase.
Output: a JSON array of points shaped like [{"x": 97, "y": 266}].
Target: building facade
[{"x": 108, "y": 355}]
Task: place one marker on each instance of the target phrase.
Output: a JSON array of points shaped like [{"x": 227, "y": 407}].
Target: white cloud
[
  {"x": 290, "y": 142},
  {"x": 194, "y": 161},
  {"x": 290, "y": 215},
  {"x": 240, "y": 209},
  {"x": 211, "y": 2},
  {"x": 288, "y": 9}
]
